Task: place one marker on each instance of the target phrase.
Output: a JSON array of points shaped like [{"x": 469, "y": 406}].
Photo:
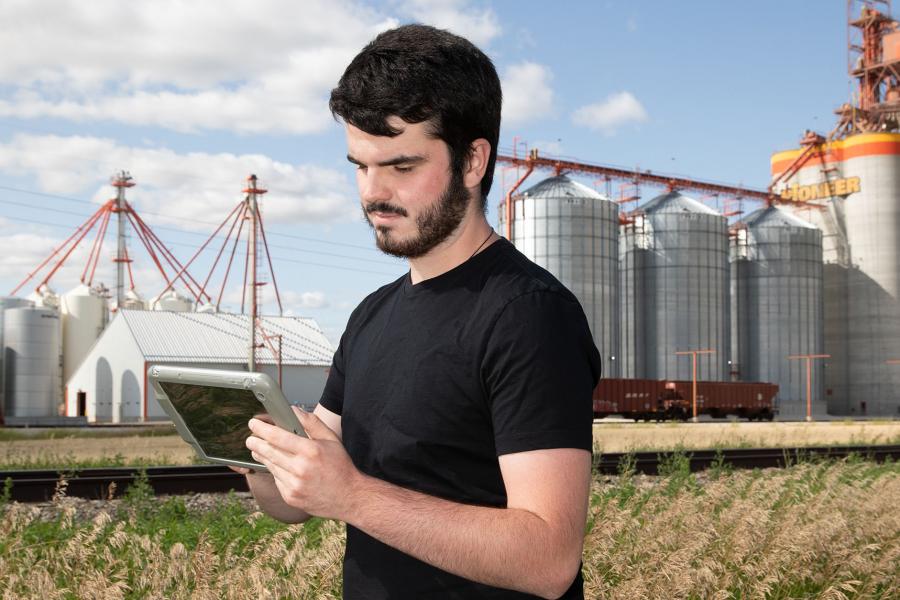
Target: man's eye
[
  {"x": 400, "y": 169},
  {"x": 360, "y": 167}
]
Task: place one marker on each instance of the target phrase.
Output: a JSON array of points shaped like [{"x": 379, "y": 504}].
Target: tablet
[{"x": 210, "y": 409}]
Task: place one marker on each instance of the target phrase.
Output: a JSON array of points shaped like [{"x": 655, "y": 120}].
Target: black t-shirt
[{"x": 434, "y": 381}]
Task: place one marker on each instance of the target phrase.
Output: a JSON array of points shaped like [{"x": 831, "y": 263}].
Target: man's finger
[
  {"x": 268, "y": 452},
  {"x": 275, "y": 435},
  {"x": 315, "y": 428}
]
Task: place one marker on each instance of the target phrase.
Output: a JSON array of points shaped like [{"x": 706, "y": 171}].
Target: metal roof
[
  {"x": 774, "y": 216},
  {"x": 561, "y": 187},
  {"x": 166, "y": 336},
  {"x": 676, "y": 202}
]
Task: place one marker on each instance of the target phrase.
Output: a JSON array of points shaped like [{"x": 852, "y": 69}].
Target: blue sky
[{"x": 191, "y": 97}]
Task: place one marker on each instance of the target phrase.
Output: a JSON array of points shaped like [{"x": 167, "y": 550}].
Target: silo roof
[
  {"x": 774, "y": 216},
  {"x": 676, "y": 202},
  {"x": 561, "y": 187}
]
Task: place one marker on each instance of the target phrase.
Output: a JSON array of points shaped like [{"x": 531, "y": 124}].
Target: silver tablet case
[{"x": 261, "y": 385}]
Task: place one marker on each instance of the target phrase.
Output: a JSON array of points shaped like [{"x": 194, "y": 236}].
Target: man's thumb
[{"x": 313, "y": 426}]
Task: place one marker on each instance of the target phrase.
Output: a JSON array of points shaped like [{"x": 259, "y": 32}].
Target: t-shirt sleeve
[
  {"x": 333, "y": 394},
  {"x": 540, "y": 370}
]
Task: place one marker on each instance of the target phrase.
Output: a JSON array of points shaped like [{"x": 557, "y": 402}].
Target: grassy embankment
[
  {"x": 815, "y": 530},
  {"x": 82, "y": 448}
]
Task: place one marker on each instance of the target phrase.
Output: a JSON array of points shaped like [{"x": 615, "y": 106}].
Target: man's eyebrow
[{"x": 403, "y": 159}]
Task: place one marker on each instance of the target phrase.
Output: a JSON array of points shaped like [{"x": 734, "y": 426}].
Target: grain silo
[
  {"x": 572, "y": 231},
  {"x": 776, "y": 305},
  {"x": 173, "y": 301},
  {"x": 133, "y": 301},
  {"x": 6, "y": 303},
  {"x": 45, "y": 296},
  {"x": 84, "y": 315},
  {"x": 674, "y": 290},
  {"x": 857, "y": 180},
  {"x": 32, "y": 361}
]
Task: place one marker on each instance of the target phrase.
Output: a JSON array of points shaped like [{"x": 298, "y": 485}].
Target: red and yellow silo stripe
[{"x": 864, "y": 144}]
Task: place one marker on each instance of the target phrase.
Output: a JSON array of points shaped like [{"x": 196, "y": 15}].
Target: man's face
[{"x": 407, "y": 192}]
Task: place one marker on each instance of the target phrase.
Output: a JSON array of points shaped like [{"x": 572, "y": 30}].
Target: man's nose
[{"x": 373, "y": 187}]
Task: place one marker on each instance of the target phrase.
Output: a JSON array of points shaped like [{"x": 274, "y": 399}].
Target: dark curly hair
[{"x": 420, "y": 73}]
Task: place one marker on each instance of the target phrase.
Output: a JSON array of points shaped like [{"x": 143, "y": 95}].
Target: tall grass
[
  {"x": 63, "y": 433},
  {"x": 149, "y": 548},
  {"x": 813, "y": 530}
]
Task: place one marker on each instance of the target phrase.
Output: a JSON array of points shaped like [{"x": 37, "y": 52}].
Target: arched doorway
[
  {"x": 131, "y": 397},
  {"x": 104, "y": 392}
]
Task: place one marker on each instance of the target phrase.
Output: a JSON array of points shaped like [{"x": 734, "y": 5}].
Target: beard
[{"x": 433, "y": 225}]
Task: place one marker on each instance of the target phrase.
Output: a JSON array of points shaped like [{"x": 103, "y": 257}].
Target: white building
[{"x": 110, "y": 385}]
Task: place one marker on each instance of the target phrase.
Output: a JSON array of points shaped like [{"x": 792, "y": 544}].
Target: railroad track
[{"x": 39, "y": 486}]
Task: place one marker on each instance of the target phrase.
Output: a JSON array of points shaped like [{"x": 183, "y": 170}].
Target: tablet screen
[{"x": 216, "y": 416}]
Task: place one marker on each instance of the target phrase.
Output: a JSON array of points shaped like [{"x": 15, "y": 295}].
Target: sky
[{"x": 191, "y": 97}]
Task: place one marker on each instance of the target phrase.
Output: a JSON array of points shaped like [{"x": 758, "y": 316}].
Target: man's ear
[{"x": 476, "y": 165}]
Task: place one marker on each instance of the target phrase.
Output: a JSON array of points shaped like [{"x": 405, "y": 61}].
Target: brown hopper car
[{"x": 659, "y": 400}]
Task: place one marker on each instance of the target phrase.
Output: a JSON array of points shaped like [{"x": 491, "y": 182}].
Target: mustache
[{"x": 384, "y": 207}]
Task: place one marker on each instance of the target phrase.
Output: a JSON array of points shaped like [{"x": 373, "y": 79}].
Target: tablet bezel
[{"x": 264, "y": 389}]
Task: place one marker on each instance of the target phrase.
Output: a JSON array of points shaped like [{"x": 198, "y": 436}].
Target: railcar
[{"x": 662, "y": 400}]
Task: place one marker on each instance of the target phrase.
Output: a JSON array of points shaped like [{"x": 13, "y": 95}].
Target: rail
[{"x": 41, "y": 486}]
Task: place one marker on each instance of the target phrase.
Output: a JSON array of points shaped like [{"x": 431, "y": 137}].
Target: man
[{"x": 454, "y": 433}]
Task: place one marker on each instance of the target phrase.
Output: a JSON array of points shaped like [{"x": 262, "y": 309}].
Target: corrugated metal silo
[
  {"x": 7, "y": 302},
  {"x": 674, "y": 290},
  {"x": 572, "y": 231},
  {"x": 33, "y": 361},
  {"x": 84, "y": 316},
  {"x": 776, "y": 305},
  {"x": 857, "y": 179}
]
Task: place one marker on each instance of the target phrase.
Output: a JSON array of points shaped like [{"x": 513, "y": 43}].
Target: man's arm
[
  {"x": 534, "y": 545},
  {"x": 262, "y": 485}
]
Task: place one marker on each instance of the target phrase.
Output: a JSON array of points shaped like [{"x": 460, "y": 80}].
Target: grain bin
[
  {"x": 674, "y": 290},
  {"x": 33, "y": 361},
  {"x": 44, "y": 296},
  {"x": 776, "y": 305},
  {"x": 172, "y": 301},
  {"x": 856, "y": 179},
  {"x": 7, "y": 302},
  {"x": 572, "y": 231},
  {"x": 133, "y": 301},
  {"x": 84, "y": 315}
]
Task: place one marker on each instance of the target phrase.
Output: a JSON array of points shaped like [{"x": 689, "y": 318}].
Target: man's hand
[{"x": 315, "y": 475}]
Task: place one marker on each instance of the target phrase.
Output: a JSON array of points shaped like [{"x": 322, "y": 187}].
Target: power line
[
  {"x": 199, "y": 222},
  {"x": 197, "y": 233},
  {"x": 289, "y": 260}
]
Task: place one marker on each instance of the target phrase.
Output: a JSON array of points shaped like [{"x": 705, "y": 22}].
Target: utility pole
[
  {"x": 121, "y": 181},
  {"x": 694, "y": 354},
  {"x": 808, "y": 358},
  {"x": 253, "y": 209}
]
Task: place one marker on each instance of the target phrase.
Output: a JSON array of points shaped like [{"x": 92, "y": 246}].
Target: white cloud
[
  {"x": 618, "y": 109},
  {"x": 479, "y": 26},
  {"x": 295, "y": 302},
  {"x": 250, "y": 67},
  {"x": 527, "y": 94},
  {"x": 35, "y": 244},
  {"x": 190, "y": 190},
  {"x": 262, "y": 66}
]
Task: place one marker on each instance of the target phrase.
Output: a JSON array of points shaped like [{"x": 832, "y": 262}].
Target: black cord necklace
[{"x": 483, "y": 243}]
